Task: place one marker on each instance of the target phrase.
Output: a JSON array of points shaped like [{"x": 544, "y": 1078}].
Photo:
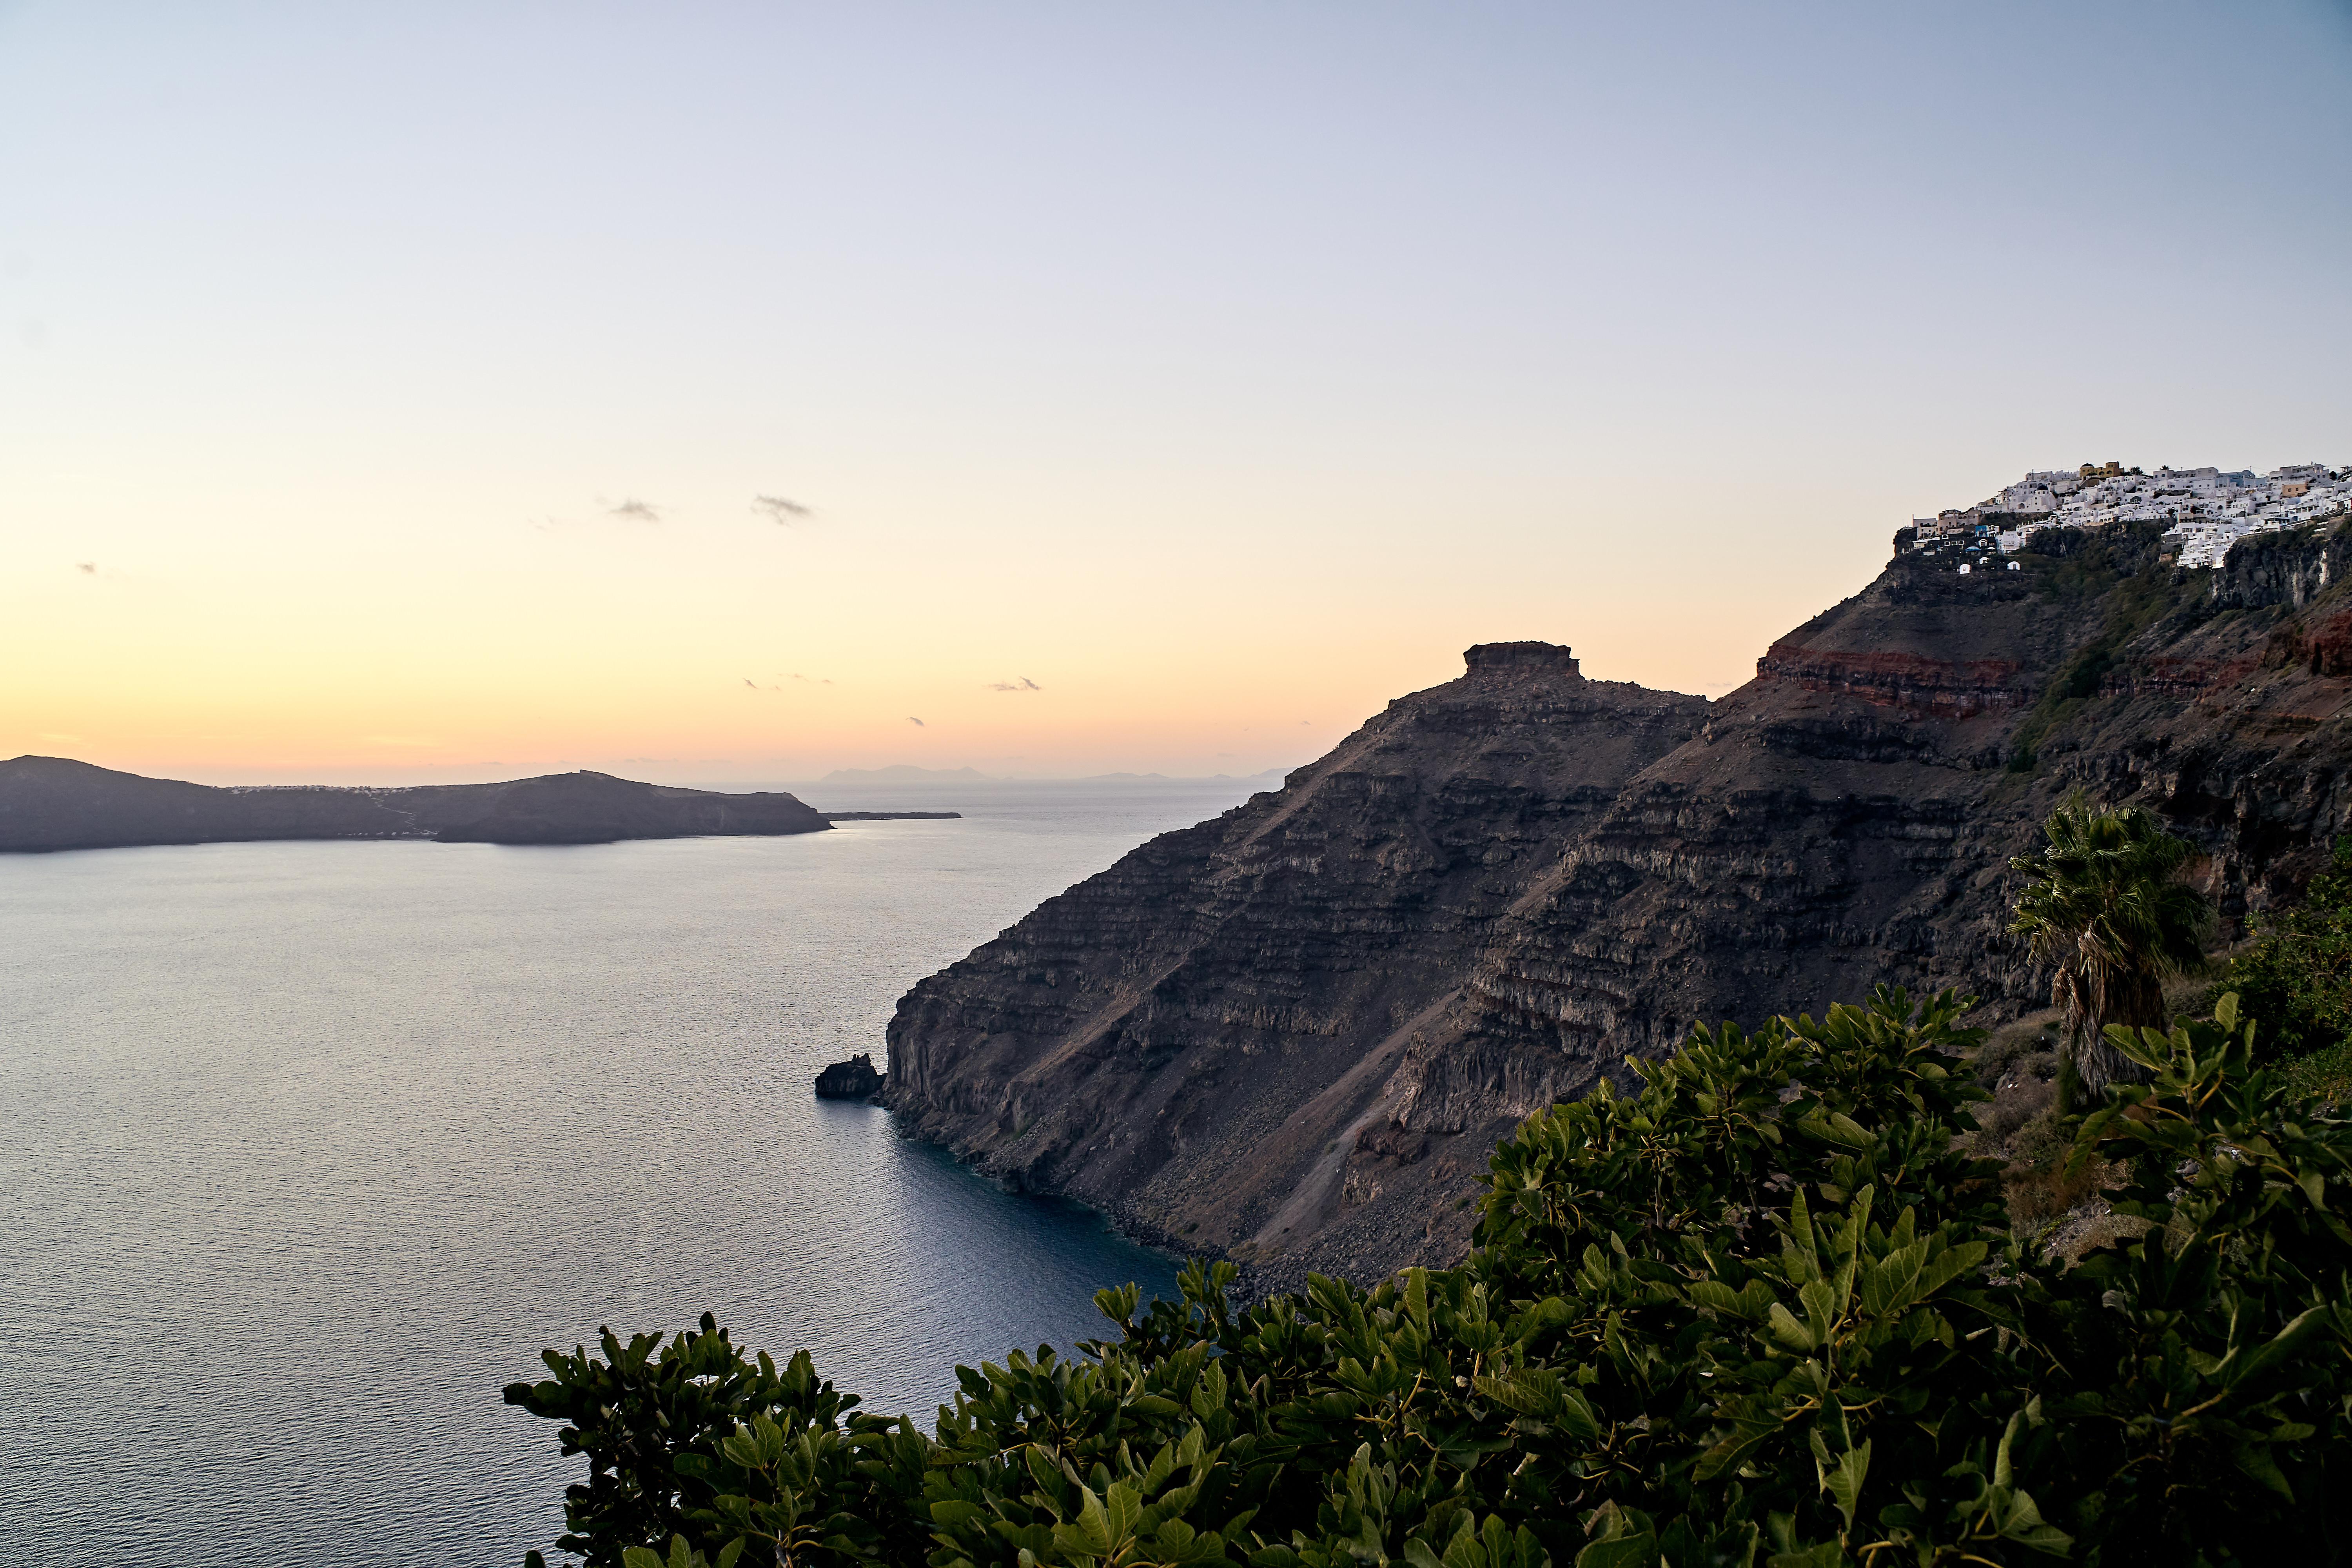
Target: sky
[{"x": 709, "y": 392}]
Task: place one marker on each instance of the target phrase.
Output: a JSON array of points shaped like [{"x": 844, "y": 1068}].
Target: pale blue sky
[{"x": 1225, "y": 368}]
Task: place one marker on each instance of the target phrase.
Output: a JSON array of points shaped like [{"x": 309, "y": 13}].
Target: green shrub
[
  {"x": 2324, "y": 1074},
  {"x": 1765, "y": 1311},
  {"x": 2296, "y": 977}
]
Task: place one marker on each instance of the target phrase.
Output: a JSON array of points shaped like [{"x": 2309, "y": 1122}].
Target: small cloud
[
  {"x": 87, "y": 568},
  {"x": 917, "y": 724},
  {"x": 777, "y": 510},
  {"x": 1024, "y": 684},
  {"x": 635, "y": 511}
]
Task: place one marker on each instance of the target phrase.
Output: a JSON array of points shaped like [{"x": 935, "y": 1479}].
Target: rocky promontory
[
  {"x": 1292, "y": 1034},
  {"x": 55, "y": 802}
]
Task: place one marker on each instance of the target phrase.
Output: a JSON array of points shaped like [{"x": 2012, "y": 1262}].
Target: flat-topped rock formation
[
  {"x": 1292, "y": 1035},
  {"x": 53, "y": 803}
]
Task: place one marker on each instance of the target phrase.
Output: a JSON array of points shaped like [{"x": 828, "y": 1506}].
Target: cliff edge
[
  {"x": 1212, "y": 997},
  {"x": 1292, "y": 1035}
]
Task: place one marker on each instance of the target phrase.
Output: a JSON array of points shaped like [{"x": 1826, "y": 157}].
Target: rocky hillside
[
  {"x": 55, "y": 802},
  {"x": 1292, "y": 1035}
]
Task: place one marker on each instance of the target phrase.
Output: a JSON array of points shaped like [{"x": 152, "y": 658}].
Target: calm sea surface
[{"x": 307, "y": 1149}]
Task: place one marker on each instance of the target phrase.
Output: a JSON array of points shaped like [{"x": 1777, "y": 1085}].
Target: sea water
[{"x": 306, "y": 1150}]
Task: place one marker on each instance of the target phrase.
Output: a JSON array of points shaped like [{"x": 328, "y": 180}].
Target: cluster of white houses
[{"x": 2208, "y": 509}]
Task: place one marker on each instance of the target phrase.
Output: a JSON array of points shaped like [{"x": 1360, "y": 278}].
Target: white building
[{"x": 2208, "y": 510}]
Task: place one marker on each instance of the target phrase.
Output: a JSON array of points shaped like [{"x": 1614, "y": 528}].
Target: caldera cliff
[{"x": 1292, "y": 1035}]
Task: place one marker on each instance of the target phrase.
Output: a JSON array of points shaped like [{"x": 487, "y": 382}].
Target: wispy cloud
[
  {"x": 87, "y": 568},
  {"x": 635, "y": 511},
  {"x": 917, "y": 724},
  {"x": 1024, "y": 684},
  {"x": 778, "y": 509}
]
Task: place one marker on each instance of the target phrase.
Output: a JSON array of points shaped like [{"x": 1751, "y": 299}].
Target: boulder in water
[{"x": 853, "y": 1079}]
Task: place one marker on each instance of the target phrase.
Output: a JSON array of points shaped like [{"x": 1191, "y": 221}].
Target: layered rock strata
[
  {"x": 1200, "y": 1000},
  {"x": 1292, "y": 1035}
]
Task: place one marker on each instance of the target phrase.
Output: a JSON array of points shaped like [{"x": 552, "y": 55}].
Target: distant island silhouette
[{"x": 57, "y": 802}]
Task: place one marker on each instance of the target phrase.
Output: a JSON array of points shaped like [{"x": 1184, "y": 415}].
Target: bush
[
  {"x": 1766, "y": 1311},
  {"x": 2296, "y": 977}
]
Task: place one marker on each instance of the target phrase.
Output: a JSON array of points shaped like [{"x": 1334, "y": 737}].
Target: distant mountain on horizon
[{"x": 907, "y": 773}]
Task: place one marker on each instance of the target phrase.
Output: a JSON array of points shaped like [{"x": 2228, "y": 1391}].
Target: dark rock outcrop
[
  {"x": 53, "y": 803},
  {"x": 1292, "y": 1034},
  {"x": 853, "y": 1079}
]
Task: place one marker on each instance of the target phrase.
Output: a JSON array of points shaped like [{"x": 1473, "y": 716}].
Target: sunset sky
[{"x": 388, "y": 394}]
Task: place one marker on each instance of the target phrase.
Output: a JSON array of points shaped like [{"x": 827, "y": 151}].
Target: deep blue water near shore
[{"x": 306, "y": 1148}]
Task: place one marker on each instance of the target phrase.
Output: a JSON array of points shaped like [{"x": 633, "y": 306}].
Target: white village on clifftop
[{"x": 2209, "y": 509}]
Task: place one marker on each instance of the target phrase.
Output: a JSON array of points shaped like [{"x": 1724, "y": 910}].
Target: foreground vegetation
[
  {"x": 1766, "y": 1311},
  {"x": 2297, "y": 976}
]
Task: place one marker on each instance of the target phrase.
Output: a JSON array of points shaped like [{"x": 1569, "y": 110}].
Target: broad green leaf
[
  {"x": 1789, "y": 1331},
  {"x": 1826, "y": 1554},
  {"x": 1628, "y": 1552},
  {"x": 2282, "y": 1348},
  {"x": 1843, "y": 1480},
  {"x": 1718, "y": 1297}
]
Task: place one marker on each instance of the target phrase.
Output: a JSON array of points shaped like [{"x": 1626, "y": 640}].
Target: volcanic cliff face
[
  {"x": 1294, "y": 1034},
  {"x": 1133, "y": 1038}
]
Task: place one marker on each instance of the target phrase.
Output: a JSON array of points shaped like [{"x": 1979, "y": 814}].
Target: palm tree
[{"x": 2107, "y": 912}]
